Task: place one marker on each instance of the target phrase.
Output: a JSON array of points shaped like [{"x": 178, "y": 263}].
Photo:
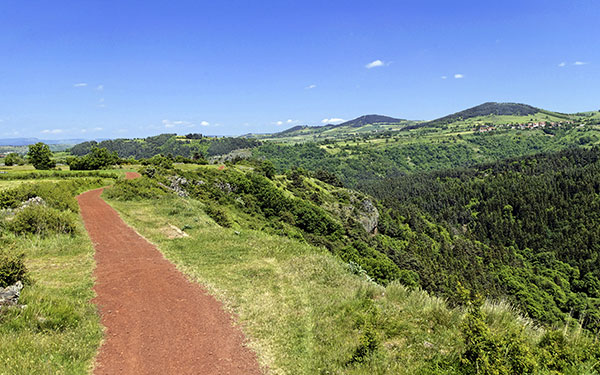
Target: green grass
[
  {"x": 302, "y": 309},
  {"x": 58, "y": 332}
]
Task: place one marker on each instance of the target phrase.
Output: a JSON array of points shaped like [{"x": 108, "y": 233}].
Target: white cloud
[
  {"x": 80, "y": 84},
  {"x": 562, "y": 64},
  {"x": 52, "y": 131},
  {"x": 204, "y": 123},
  {"x": 333, "y": 120},
  {"x": 580, "y": 63},
  {"x": 374, "y": 64},
  {"x": 100, "y": 87},
  {"x": 288, "y": 122},
  {"x": 459, "y": 76},
  {"x": 171, "y": 124},
  {"x": 444, "y": 77},
  {"x": 310, "y": 87},
  {"x": 97, "y": 129}
]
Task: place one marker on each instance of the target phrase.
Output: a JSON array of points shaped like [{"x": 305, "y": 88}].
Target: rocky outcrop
[
  {"x": 9, "y": 296},
  {"x": 177, "y": 185},
  {"x": 368, "y": 216}
]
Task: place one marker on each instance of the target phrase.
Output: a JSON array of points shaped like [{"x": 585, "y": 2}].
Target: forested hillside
[
  {"x": 524, "y": 228},
  {"x": 357, "y": 159},
  {"x": 189, "y": 146}
]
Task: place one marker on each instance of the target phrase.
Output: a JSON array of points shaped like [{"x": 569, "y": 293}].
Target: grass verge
[{"x": 58, "y": 332}]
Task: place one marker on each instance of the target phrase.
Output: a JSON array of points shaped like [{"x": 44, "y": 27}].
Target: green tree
[
  {"x": 40, "y": 156},
  {"x": 12, "y": 159}
]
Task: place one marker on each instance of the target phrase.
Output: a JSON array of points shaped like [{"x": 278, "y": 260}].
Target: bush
[
  {"x": 57, "y": 195},
  {"x": 218, "y": 214},
  {"x": 12, "y": 268},
  {"x": 99, "y": 158},
  {"x": 41, "y": 220},
  {"x": 12, "y": 159},
  {"x": 137, "y": 189}
]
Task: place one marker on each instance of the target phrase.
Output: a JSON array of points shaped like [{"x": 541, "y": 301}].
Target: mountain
[
  {"x": 360, "y": 125},
  {"x": 370, "y": 120},
  {"x": 493, "y": 109}
]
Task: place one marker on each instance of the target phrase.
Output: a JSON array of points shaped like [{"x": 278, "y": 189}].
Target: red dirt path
[{"x": 157, "y": 322}]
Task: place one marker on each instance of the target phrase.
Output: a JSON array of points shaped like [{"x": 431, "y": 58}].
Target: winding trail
[{"x": 157, "y": 322}]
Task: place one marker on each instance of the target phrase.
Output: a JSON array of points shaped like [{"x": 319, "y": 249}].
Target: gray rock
[
  {"x": 10, "y": 294},
  {"x": 368, "y": 216}
]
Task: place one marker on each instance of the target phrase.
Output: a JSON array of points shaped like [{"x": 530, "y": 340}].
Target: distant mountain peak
[
  {"x": 369, "y": 119},
  {"x": 486, "y": 109}
]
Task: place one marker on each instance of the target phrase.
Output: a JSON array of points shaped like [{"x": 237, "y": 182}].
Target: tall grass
[{"x": 57, "y": 331}]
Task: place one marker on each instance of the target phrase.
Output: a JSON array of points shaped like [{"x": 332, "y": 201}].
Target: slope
[{"x": 307, "y": 310}]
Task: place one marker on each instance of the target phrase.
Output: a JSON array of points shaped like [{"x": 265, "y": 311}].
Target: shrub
[
  {"x": 137, "y": 189},
  {"x": 41, "y": 220},
  {"x": 12, "y": 159},
  {"x": 98, "y": 158},
  {"x": 12, "y": 268},
  {"x": 218, "y": 214},
  {"x": 367, "y": 344}
]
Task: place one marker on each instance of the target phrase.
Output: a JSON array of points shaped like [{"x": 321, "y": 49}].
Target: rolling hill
[{"x": 494, "y": 113}]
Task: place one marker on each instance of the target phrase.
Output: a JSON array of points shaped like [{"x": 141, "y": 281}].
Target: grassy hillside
[
  {"x": 54, "y": 329},
  {"x": 360, "y": 158},
  {"x": 368, "y": 124},
  {"x": 496, "y": 113},
  {"x": 304, "y": 307}
]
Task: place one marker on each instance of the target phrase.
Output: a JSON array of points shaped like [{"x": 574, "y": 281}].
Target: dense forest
[{"x": 524, "y": 228}]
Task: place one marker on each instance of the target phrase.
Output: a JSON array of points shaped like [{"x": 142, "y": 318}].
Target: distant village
[{"x": 530, "y": 125}]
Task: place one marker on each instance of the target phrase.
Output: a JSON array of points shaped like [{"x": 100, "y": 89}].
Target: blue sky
[{"x": 88, "y": 69}]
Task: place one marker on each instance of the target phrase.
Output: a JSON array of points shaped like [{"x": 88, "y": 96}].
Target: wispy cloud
[
  {"x": 310, "y": 87},
  {"x": 100, "y": 87},
  {"x": 80, "y": 84},
  {"x": 459, "y": 76},
  {"x": 375, "y": 64},
  {"x": 288, "y": 122},
  {"x": 52, "y": 131},
  {"x": 444, "y": 77},
  {"x": 562, "y": 64},
  {"x": 171, "y": 124},
  {"x": 204, "y": 123},
  {"x": 101, "y": 103},
  {"x": 580, "y": 63},
  {"x": 333, "y": 120}
]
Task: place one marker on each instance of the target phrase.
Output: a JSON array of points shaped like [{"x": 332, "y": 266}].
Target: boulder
[{"x": 10, "y": 295}]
